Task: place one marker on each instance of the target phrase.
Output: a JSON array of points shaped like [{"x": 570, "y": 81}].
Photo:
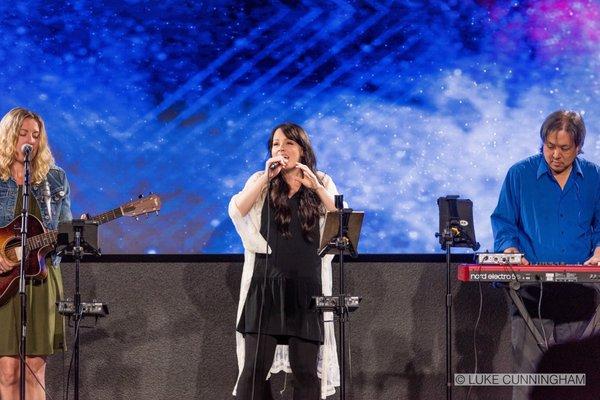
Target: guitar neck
[
  {"x": 108, "y": 216},
  {"x": 49, "y": 238},
  {"x": 41, "y": 240}
]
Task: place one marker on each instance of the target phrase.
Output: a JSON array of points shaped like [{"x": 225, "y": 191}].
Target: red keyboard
[{"x": 529, "y": 273}]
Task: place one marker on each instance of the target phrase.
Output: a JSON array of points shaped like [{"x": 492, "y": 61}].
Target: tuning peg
[
  {"x": 157, "y": 214},
  {"x": 137, "y": 218},
  {"x": 141, "y": 196}
]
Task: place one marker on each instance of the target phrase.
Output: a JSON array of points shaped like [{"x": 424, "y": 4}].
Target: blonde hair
[{"x": 10, "y": 125}]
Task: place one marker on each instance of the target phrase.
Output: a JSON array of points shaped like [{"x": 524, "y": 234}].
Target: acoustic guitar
[{"x": 41, "y": 242}]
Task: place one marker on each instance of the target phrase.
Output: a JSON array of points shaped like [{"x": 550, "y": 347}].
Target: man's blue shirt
[{"x": 545, "y": 222}]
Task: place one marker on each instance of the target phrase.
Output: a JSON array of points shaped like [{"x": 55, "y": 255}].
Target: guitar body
[{"x": 35, "y": 266}]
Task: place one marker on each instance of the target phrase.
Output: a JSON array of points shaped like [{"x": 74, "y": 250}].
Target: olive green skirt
[{"x": 45, "y": 326}]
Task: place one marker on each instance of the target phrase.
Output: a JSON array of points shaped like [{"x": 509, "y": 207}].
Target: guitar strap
[{"x": 47, "y": 198}]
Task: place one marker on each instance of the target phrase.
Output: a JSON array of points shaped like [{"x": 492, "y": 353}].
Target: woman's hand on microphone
[{"x": 279, "y": 163}]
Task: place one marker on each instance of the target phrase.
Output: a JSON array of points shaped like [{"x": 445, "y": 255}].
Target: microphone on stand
[{"x": 26, "y": 149}]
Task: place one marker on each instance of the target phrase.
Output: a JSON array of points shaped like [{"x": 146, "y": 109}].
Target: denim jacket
[{"x": 60, "y": 202}]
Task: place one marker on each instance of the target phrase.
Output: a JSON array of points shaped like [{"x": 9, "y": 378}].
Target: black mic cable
[
  {"x": 77, "y": 326},
  {"x": 33, "y": 373},
  {"x": 262, "y": 300},
  {"x": 540, "y": 314},
  {"x": 479, "y": 312}
]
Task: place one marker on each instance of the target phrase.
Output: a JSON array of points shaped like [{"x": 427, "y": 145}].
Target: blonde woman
[{"x": 49, "y": 203}]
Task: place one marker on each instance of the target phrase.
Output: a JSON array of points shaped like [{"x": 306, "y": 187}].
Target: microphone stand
[
  {"x": 452, "y": 234},
  {"x": 343, "y": 311},
  {"x": 341, "y": 241},
  {"x": 78, "y": 238},
  {"x": 22, "y": 292},
  {"x": 448, "y": 238},
  {"x": 78, "y": 316}
]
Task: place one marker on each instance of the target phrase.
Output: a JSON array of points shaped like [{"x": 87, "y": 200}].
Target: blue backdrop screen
[{"x": 405, "y": 101}]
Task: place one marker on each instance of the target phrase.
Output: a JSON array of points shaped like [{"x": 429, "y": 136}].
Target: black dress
[{"x": 293, "y": 276}]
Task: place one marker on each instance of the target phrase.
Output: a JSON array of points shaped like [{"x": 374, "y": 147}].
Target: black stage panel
[{"x": 170, "y": 332}]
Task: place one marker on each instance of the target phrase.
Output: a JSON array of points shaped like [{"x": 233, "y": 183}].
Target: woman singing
[
  {"x": 49, "y": 203},
  {"x": 276, "y": 328}
]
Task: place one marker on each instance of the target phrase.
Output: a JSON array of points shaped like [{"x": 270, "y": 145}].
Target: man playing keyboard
[{"x": 549, "y": 210}]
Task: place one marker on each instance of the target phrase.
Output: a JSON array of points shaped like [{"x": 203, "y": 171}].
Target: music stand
[
  {"x": 340, "y": 236},
  {"x": 456, "y": 230},
  {"x": 83, "y": 229},
  {"x": 351, "y": 225},
  {"x": 78, "y": 237}
]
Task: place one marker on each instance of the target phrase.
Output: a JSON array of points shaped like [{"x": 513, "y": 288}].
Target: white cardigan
[{"x": 248, "y": 228}]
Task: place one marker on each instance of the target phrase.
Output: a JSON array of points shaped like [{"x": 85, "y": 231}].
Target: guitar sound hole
[{"x": 9, "y": 250}]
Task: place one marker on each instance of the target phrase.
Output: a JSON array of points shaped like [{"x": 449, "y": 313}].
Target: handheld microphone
[{"x": 274, "y": 165}]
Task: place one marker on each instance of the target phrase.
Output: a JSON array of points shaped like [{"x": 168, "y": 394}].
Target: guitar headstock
[{"x": 143, "y": 205}]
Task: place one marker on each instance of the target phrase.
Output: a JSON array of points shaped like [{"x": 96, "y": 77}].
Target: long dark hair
[{"x": 310, "y": 205}]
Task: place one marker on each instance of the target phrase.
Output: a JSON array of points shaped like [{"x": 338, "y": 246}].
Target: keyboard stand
[{"x": 518, "y": 302}]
